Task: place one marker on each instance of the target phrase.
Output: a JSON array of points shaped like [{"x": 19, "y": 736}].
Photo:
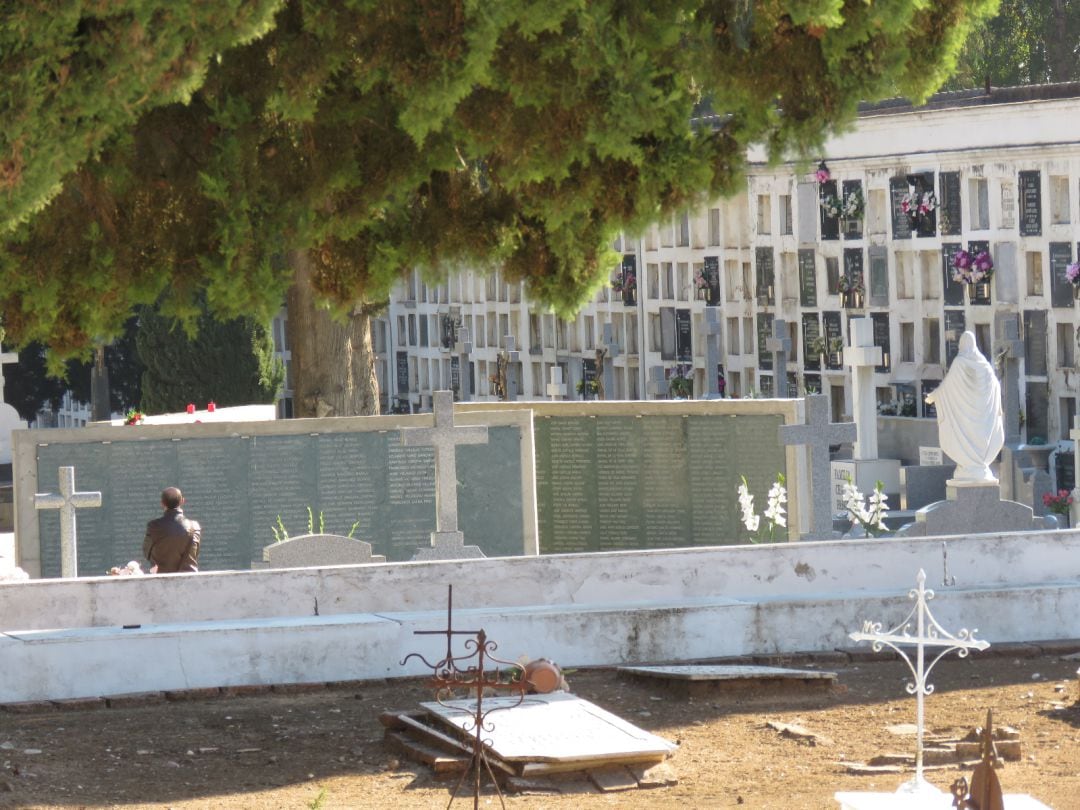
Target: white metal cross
[
  {"x": 6, "y": 357},
  {"x": 445, "y": 438},
  {"x": 67, "y": 502},
  {"x": 928, "y": 633}
]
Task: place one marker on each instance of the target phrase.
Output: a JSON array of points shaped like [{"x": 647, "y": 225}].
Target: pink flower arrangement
[
  {"x": 1072, "y": 273},
  {"x": 968, "y": 269},
  {"x": 822, "y": 174}
]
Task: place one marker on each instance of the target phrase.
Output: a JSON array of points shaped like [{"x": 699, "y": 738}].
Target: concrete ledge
[{"x": 252, "y": 655}]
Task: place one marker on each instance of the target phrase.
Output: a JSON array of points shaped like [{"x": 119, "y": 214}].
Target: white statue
[{"x": 970, "y": 426}]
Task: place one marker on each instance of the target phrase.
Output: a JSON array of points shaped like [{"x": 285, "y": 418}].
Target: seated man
[{"x": 172, "y": 541}]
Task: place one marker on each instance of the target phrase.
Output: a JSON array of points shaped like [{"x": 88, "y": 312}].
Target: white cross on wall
[
  {"x": 445, "y": 438},
  {"x": 67, "y": 502}
]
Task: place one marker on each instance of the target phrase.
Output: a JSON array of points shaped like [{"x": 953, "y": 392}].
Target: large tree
[
  {"x": 358, "y": 141},
  {"x": 1026, "y": 42},
  {"x": 77, "y": 72}
]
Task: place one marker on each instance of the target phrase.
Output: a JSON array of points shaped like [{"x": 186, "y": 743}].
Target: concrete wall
[{"x": 795, "y": 571}]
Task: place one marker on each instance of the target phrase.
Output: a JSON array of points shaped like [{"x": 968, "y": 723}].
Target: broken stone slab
[
  {"x": 556, "y": 732},
  {"x": 700, "y": 679}
]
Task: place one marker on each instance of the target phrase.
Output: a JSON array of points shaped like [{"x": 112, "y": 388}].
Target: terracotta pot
[{"x": 543, "y": 676}]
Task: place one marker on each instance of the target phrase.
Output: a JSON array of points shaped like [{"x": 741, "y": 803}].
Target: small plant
[
  {"x": 680, "y": 383},
  {"x": 1058, "y": 504},
  {"x": 318, "y": 801},
  {"x": 281, "y": 534},
  {"x": 774, "y": 511},
  {"x": 871, "y": 518},
  {"x": 591, "y": 387},
  {"x": 134, "y": 417}
]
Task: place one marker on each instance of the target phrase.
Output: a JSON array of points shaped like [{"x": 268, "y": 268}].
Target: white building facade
[{"x": 1004, "y": 170}]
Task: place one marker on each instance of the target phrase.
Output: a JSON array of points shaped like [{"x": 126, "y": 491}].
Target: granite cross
[
  {"x": 818, "y": 433},
  {"x": 713, "y": 327},
  {"x": 928, "y": 633},
  {"x": 556, "y": 389},
  {"x": 6, "y": 357},
  {"x": 862, "y": 356},
  {"x": 511, "y": 356},
  {"x": 779, "y": 344},
  {"x": 463, "y": 346},
  {"x": 611, "y": 351},
  {"x": 1011, "y": 349},
  {"x": 67, "y": 502},
  {"x": 444, "y": 437}
]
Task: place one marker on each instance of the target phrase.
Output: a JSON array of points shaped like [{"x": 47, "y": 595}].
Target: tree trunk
[
  {"x": 333, "y": 364},
  {"x": 1059, "y": 56},
  {"x": 100, "y": 407}
]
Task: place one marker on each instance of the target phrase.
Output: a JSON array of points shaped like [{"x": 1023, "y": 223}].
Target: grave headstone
[
  {"x": 779, "y": 344},
  {"x": 463, "y": 346},
  {"x": 865, "y": 469},
  {"x": 67, "y": 502},
  {"x": 446, "y": 541},
  {"x": 657, "y": 385},
  {"x": 713, "y": 352},
  {"x": 611, "y": 351},
  {"x": 817, "y": 434},
  {"x": 556, "y": 388},
  {"x": 512, "y": 358},
  {"x": 316, "y": 550}
]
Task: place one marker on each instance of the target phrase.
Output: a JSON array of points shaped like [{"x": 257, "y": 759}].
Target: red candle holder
[
  {"x": 211, "y": 406},
  {"x": 191, "y": 407}
]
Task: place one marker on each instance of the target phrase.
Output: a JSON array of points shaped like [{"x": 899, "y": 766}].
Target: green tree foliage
[
  {"x": 1026, "y": 42},
  {"x": 78, "y": 71},
  {"x": 27, "y": 386},
  {"x": 230, "y": 363},
  {"x": 378, "y": 138}
]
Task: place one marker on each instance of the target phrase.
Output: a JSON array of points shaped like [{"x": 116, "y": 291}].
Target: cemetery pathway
[{"x": 323, "y": 749}]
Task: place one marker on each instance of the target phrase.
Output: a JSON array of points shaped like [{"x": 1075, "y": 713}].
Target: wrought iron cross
[{"x": 928, "y": 633}]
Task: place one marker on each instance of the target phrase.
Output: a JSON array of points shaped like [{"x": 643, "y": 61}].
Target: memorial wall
[
  {"x": 238, "y": 485},
  {"x": 607, "y": 476}
]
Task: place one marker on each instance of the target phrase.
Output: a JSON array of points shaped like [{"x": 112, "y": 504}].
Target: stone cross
[
  {"x": 713, "y": 331},
  {"x": 6, "y": 357},
  {"x": 1012, "y": 349},
  {"x": 463, "y": 346},
  {"x": 779, "y": 344},
  {"x": 862, "y": 356},
  {"x": 817, "y": 434},
  {"x": 512, "y": 357},
  {"x": 611, "y": 351},
  {"x": 556, "y": 389},
  {"x": 928, "y": 633},
  {"x": 445, "y": 437},
  {"x": 67, "y": 502}
]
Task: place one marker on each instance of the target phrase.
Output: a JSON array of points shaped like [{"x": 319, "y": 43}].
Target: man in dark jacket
[{"x": 172, "y": 541}]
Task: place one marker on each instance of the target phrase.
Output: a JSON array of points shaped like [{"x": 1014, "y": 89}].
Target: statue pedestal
[{"x": 973, "y": 509}]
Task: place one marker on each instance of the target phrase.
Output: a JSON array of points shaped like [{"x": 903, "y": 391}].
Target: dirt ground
[{"x": 324, "y": 749}]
